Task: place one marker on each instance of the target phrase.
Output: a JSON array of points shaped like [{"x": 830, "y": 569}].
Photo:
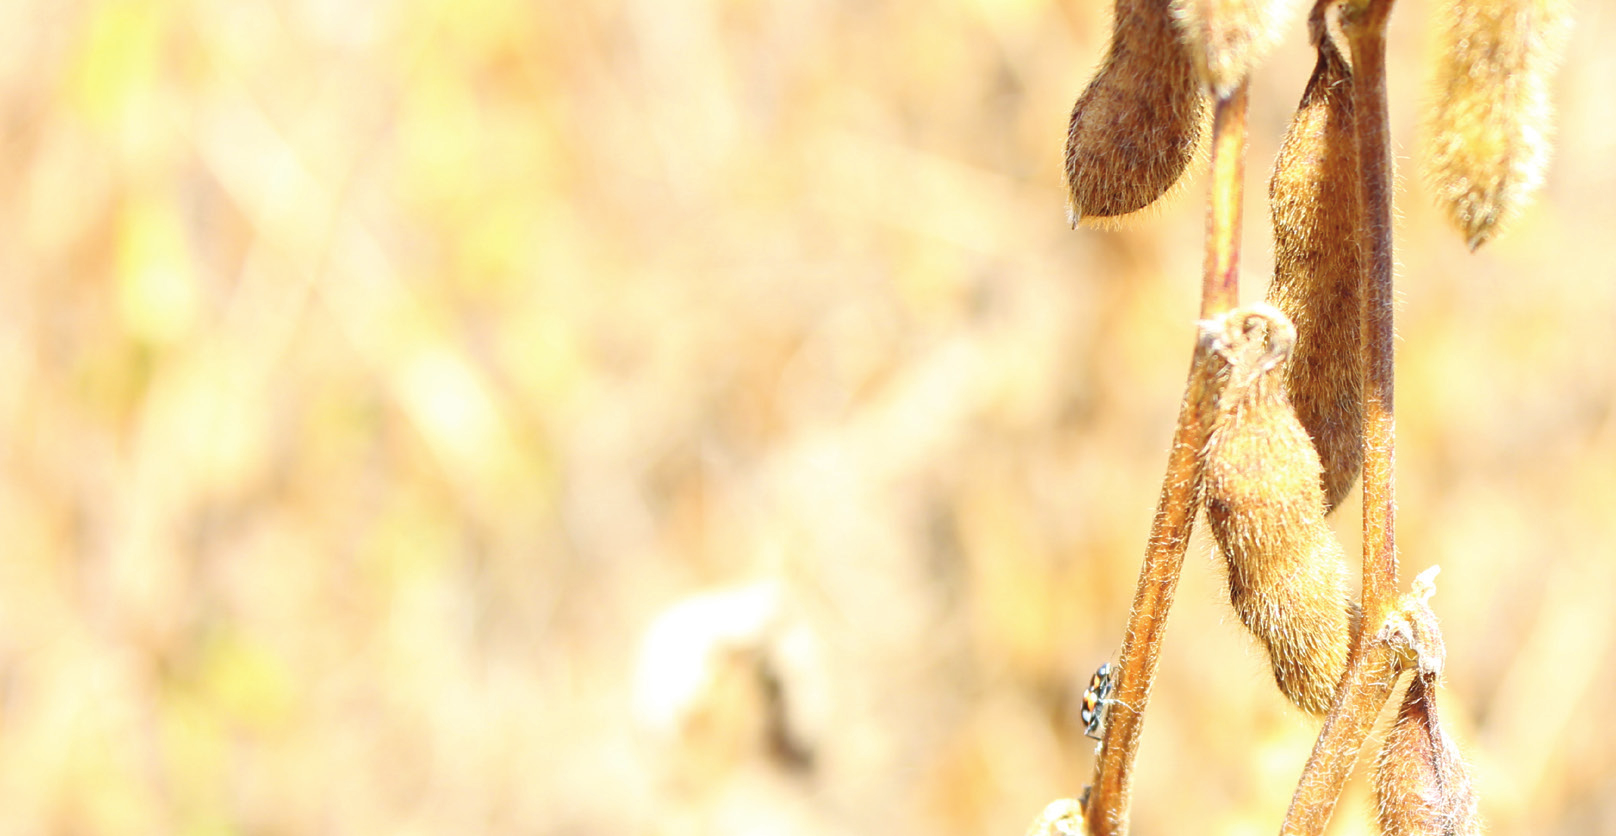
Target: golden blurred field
[{"x": 375, "y": 374}]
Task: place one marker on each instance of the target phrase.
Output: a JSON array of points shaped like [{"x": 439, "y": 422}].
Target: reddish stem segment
[
  {"x": 1109, "y": 800},
  {"x": 1372, "y": 667},
  {"x": 1108, "y": 803},
  {"x": 1367, "y": 33},
  {"x": 1220, "y": 282},
  {"x": 1371, "y": 674}
]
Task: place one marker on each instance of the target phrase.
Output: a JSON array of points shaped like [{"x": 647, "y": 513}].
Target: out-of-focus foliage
[{"x": 376, "y": 373}]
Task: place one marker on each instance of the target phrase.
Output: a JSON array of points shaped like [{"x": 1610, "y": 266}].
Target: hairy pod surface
[
  {"x": 1318, "y": 268},
  {"x": 1134, "y": 128},
  {"x": 1265, "y": 506},
  {"x": 1229, "y": 37},
  {"x": 1490, "y": 121},
  {"x": 1411, "y": 628},
  {"x": 1063, "y": 817},
  {"x": 1420, "y": 781}
]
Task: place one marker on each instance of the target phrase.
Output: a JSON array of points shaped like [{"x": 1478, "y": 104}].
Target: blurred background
[{"x": 695, "y": 417}]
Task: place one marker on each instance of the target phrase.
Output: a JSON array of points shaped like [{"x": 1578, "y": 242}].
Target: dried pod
[
  {"x": 1287, "y": 575},
  {"x": 1411, "y": 628},
  {"x": 1318, "y": 267},
  {"x": 1229, "y": 37},
  {"x": 1063, "y": 817},
  {"x": 1134, "y": 129},
  {"x": 1490, "y": 123},
  {"x": 1421, "y": 783}
]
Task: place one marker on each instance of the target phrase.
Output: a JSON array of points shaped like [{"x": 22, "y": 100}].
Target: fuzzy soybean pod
[
  {"x": 1318, "y": 267},
  {"x": 1227, "y": 38},
  {"x": 1421, "y": 784},
  {"x": 1134, "y": 128},
  {"x": 1063, "y": 817},
  {"x": 1489, "y": 128},
  {"x": 1287, "y": 575}
]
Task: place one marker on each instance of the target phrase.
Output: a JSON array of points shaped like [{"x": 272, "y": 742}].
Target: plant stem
[
  {"x": 1372, "y": 666},
  {"x": 1366, "y": 32},
  {"x": 1220, "y": 281},
  {"x": 1108, "y": 805},
  {"x": 1371, "y": 674},
  {"x": 1109, "y": 800}
]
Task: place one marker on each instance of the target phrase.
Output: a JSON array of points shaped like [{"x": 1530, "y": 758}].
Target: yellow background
[{"x": 373, "y": 374}]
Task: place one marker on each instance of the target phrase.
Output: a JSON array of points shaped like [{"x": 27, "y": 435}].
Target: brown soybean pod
[
  {"x": 1421, "y": 783},
  {"x": 1063, "y": 817},
  {"x": 1490, "y": 119},
  {"x": 1134, "y": 128},
  {"x": 1318, "y": 267},
  {"x": 1228, "y": 38},
  {"x": 1287, "y": 573}
]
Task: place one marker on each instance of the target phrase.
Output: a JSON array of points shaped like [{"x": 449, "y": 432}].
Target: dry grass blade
[{"x": 1135, "y": 127}]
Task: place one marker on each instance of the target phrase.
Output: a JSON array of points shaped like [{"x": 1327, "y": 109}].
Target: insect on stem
[
  {"x": 1181, "y": 487},
  {"x": 1108, "y": 802}
]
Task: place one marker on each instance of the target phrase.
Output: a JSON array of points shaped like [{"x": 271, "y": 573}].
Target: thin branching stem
[
  {"x": 1164, "y": 558},
  {"x": 1372, "y": 666},
  {"x": 1108, "y": 804},
  {"x": 1371, "y": 674}
]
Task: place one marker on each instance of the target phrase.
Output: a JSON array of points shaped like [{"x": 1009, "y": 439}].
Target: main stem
[
  {"x": 1372, "y": 668},
  {"x": 1367, "y": 34},
  {"x": 1110, "y": 798}
]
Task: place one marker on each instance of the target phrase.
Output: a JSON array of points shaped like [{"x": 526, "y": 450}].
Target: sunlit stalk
[
  {"x": 1108, "y": 803},
  {"x": 1371, "y": 670},
  {"x": 1109, "y": 800},
  {"x": 1220, "y": 281}
]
